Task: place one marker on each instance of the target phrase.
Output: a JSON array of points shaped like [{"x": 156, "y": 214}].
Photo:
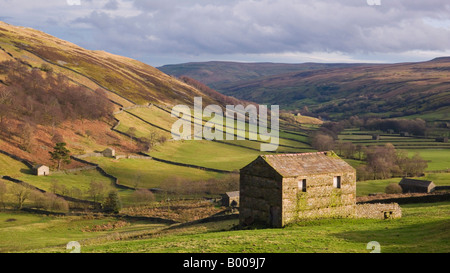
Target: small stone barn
[
  {"x": 108, "y": 152},
  {"x": 41, "y": 170},
  {"x": 278, "y": 189},
  {"x": 230, "y": 199},
  {"x": 416, "y": 186}
]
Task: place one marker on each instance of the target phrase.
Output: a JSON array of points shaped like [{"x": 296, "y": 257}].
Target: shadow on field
[
  {"x": 26, "y": 171},
  {"x": 417, "y": 238}
]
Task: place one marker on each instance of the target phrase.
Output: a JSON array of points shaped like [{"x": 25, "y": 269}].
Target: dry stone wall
[{"x": 378, "y": 211}]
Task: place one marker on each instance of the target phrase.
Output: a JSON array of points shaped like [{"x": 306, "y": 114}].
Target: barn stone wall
[
  {"x": 321, "y": 198},
  {"x": 260, "y": 200}
]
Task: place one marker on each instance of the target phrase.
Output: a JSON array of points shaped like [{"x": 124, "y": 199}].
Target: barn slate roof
[
  {"x": 416, "y": 182},
  {"x": 293, "y": 165},
  {"x": 232, "y": 194}
]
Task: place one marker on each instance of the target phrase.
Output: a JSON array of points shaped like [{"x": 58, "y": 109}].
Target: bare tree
[
  {"x": 97, "y": 190},
  {"x": 348, "y": 150},
  {"x": 5, "y": 103},
  {"x": 21, "y": 193},
  {"x": 132, "y": 132},
  {"x": 143, "y": 196},
  {"x": 3, "y": 191},
  {"x": 322, "y": 142},
  {"x": 26, "y": 135}
]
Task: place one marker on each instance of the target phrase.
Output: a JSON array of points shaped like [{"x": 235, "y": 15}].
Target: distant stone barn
[
  {"x": 108, "y": 152},
  {"x": 278, "y": 189},
  {"x": 416, "y": 186},
  {"x": 230, "y": 199},
  {"x": 41, "y": 170}
]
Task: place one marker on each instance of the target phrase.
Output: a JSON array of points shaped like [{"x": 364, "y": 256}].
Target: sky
[{"x": 160, "y": 32}]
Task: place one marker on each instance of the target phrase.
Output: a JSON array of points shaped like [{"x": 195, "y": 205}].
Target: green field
[
  {"x": 149, "y": 173},
  {"x": 209, "y": 154},
  {"x": 11, "y": 167},
  {"x": 423, "y": 228},
  {"x": 438, "y": 159},
  {"x": 378, "y": 186},
  {"x": 142, "y": 129},
  {"x": 21, "y": 232}
]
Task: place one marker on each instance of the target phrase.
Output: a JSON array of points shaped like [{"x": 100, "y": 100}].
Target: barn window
[
  {"x": 302, "y": 185},
  {"x": 337, "y": 182}
]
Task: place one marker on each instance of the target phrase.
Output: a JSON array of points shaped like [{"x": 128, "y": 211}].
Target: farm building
[
  {"x": 108, "y": 152},
  {"x": 278, "y": 189},
  {"x": 40, "y": 170},
  {"x": 230, "y": 199},
  {"x": 442, "y": 139},
  {"x": 414, "y": 185}
]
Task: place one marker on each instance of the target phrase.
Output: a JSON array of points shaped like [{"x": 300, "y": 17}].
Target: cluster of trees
[
  {"x": 17, "y": 195},
  {"x": 386, "y": 162},
  {"x": 146, "y": 142},
  {"x": 381, "y": 161},
  {"x": 45, "y": 98},
  {"x": 416, "y": 127}
]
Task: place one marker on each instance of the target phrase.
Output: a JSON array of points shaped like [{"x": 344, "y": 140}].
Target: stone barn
[
  {"x": 278, "y": 189},
  {"x": 108, "y": 152},
  {"x": 230, "y": 199},
  {"x": 416, "y": 186},
  {"x": 41, "y": 170}
]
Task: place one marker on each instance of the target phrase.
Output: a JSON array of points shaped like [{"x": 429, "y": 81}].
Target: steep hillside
[
  {"x": 385, "y": 90},
  {"x": 126, "y": 80},
  {"x": 52, "y": 90}
]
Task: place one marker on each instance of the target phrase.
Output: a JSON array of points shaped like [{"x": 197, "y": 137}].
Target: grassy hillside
[
  {"x": 125, "y": 82},
  {"x": 119, "y": 76}
]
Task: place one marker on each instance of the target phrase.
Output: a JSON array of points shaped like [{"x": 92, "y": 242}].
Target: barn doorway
[{"x": 274, "y": 219}]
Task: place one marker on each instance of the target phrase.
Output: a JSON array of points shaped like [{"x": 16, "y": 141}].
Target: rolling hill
[
  {"x": 334, "y": 90},
  {"x": 125, "y": 80},
  {"x": 42, "y": 77}
]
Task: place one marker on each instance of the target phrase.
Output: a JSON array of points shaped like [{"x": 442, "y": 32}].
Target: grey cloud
[
  {"x": 111, "y": 5},
  {"x": 207, "y": 27}
]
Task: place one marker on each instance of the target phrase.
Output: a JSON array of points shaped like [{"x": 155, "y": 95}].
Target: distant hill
[
  {"x": 334, "y": 90},
  {"x": 220, "y": 75}
]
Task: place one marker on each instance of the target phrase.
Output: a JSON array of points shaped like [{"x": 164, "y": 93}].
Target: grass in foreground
[
  {"x": 21, "y": 232},
  {"x": 422, "y": 229}
]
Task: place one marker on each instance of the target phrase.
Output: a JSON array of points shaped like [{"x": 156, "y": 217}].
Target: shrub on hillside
[
  {"x": 143, "y": 196},
  {"x": 112, "y": 203},
  {"x": 393, "y": 188}
]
